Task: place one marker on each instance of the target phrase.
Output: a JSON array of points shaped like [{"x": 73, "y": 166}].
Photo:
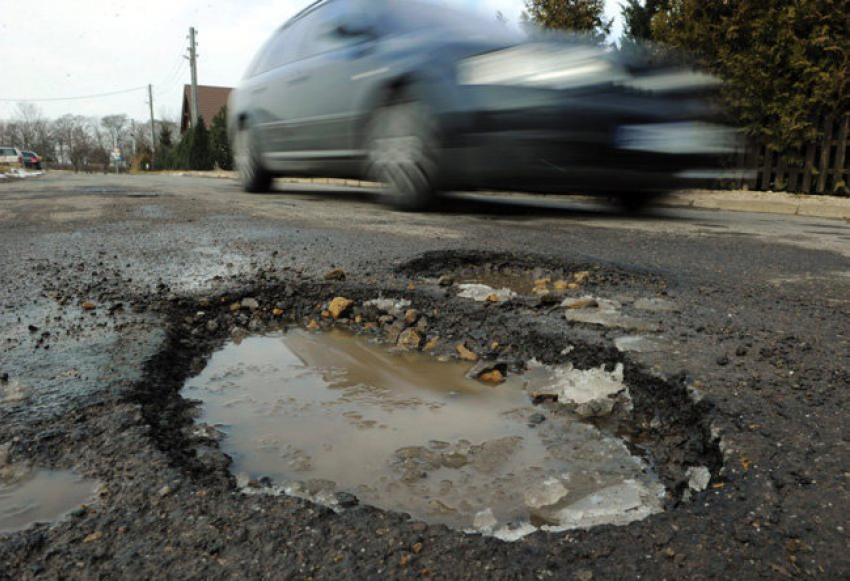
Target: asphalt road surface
[{"x": 107, "y": 280}]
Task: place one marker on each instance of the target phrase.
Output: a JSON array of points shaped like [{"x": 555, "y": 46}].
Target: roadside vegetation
[{"x": 80, "y": 143}]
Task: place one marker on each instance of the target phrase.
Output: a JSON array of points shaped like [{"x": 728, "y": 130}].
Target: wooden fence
[{"x": 823, "y": 169}]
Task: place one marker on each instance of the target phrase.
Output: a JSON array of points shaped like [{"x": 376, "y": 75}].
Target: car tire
[
  {"x": 246, "y": 157},
  {"x": 402, "y": 149},
  {"x": 637, "y": 202}
]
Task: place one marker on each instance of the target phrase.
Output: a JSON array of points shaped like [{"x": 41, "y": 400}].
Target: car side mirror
[{"x": 355, "y": 27}]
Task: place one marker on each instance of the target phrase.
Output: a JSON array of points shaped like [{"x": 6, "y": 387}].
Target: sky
[{"x": 78, "y": 48}]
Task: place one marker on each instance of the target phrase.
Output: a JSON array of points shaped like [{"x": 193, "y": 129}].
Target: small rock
[
  {"x": 212, "y": 325},
  {"x": 409, "y": 339},
  {"x": 250, "y": 303},
  {"x": 484, "y": 520},
  {"x": 346, "y": 499},
  {"x": 545, "y": 493},
  {"x": 595, "y": 408},
  {"x": 583, "y": 575},
  {"x": 560, "y": 285},
  {"x": 395, "y": 331},
  {"x": 536, "y": 419},
  {"x": 416, "y": 548},
  {"x": 95, "y": 536},
  {"x": 335, "y": 274},
  {"x": 698, "y": 478},
  {"x": 465, "y": 353},
  {"x": 454, "y": 460},
  {"x": 238, "y": 334},
  {"x": 723, "y": 360},
  {"x": 432, "y": 344},
  {"x": 165, "y": 491},
  {"x": 581, "y": 277},
  {"x": 584, "y": 303},
  {"x": 277, "y": 312},
  {"x": 235, "y": 306},
  {"x": 88, "y": 305},
  {"x": 338, "y": 306},
  {"x": 312, "y": 325},
  {"x": 446, "y": 280},
  {"x": 494, "y": 376},
  {"x": 410, "y": 316}
]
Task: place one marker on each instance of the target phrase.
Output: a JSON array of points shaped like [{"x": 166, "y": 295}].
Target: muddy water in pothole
[
  {"x": 31, "y": 496},
  {"x": 403, "y": 431}
]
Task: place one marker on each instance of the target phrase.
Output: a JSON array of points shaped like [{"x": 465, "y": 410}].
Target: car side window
[
  {"x": 320, "y": 35},
  {"x": 282, "y": 49}
]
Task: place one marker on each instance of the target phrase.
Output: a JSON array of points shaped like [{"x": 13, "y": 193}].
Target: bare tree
[
  {"x": 30, "y": 129},
  {"x": 116, "y": 127}
]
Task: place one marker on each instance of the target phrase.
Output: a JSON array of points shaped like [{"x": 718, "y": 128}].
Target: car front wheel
[{"x": 402, "y": 153}]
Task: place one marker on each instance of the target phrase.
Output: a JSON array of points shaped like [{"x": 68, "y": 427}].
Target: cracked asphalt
[{"x": 99, "y": 299}]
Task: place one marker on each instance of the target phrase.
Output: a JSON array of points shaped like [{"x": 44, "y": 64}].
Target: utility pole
[
  {"x": 153, "y": 131},
  {"x": 193, "y": 65}
]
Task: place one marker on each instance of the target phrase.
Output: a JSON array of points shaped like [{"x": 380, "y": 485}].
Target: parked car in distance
[
  {"x": 425, "y": 99},
  {"x": 31, "y": 159},
  {"x": 11, "y": 156}
]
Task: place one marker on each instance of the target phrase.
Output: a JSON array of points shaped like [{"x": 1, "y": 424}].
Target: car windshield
[{"x": 405, "y": 16}]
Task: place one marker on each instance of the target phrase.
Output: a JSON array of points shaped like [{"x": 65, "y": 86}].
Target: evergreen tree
[
  {"x": 219, "y": 142},
  {"x": 165, "y": 150},
  {"x": 586, "y": 16},
  {"x": 199, "y": 156},
  {"x": 785, "y": 63},
  {"x": 637, "y": 18}
]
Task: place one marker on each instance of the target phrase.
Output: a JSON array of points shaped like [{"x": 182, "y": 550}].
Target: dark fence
[{"x": 822, "y": 169}]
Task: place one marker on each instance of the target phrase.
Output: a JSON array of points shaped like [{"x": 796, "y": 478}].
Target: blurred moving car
[
  {"x": 426, "y": 99},
  {"x": 11, "y": 156},
  {"x": 31, "y": 159}
]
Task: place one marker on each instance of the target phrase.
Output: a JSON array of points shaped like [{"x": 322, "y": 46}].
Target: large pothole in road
[
  {"x": 274, "y": 389},
  {"x": 331, "y": 415}
]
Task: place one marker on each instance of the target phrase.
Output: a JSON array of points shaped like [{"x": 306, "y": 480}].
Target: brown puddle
[
  {"x": 31, "y": 496},
  {"x": 327, "y": 412}
]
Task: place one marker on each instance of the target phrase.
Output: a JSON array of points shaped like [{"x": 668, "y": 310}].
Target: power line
[
  {"x": 173, "y": 79},
  {"x": 3, "y": 99}
]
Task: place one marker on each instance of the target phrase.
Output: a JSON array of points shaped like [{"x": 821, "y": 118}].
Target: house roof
[{"x": 210, "y": 101}]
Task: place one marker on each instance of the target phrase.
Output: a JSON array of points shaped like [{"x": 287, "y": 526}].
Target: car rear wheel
[
  {"x": 638, "y": 202},
  {"x": 246, "y": 158},
  {"x": 402, "y": 153}
]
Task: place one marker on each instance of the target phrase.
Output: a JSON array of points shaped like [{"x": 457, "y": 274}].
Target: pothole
[
  {"x": 330, "y": 415},
  {"x": 29, "y": 496}
]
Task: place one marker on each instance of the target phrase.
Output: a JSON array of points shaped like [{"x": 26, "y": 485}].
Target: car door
[
  {"x": 332, "y": 61},
  {"x": 269, "y": 93}
]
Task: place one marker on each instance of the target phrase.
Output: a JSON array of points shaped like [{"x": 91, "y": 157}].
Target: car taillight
[{"x": 20, "y": 159}]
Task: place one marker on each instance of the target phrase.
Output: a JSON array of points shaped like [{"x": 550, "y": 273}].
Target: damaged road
[{"x": 729, "y": 331}]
